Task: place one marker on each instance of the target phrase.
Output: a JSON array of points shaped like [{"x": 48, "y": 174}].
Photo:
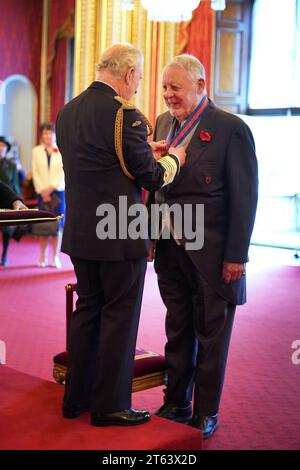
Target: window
[
  {"x": 70, "y": 70},
  {"x": 275, "y": 55}
]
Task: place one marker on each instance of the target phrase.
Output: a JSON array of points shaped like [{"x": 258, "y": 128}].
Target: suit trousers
[
  {"x": 198, "y": 328},
  {"x": 103, "y": 334}
]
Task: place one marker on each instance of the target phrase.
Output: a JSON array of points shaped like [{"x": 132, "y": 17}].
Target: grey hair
[
  {"x": 120, "y": 57},
  {"x": 189, "y": 63}
]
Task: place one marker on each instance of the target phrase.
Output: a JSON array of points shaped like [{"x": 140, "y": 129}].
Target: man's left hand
[{"x": 233, "y": 272}]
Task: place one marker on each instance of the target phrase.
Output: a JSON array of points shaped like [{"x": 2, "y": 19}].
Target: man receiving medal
[{"x": 201, "y": 287}]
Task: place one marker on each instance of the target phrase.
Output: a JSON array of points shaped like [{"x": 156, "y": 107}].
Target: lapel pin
[{"x": 205, "y": 136}]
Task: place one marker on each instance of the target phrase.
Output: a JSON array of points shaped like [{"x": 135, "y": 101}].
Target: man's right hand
[
  {"x": 180, "y": 153},
  {"x": 18, "y": 205}
]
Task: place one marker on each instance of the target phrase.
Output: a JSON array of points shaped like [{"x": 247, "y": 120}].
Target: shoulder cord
[{"x": 119, "y": 133}]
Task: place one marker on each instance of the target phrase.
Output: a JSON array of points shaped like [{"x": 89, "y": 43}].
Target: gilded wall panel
[{"x": 100, "y": 23}]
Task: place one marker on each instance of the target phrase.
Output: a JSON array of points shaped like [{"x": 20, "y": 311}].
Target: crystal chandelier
[
  {"x": 175, "y": 10},
  {"x": 170, "y": 10},
  {"x": 218, "y": 5},
  {"x": 127, "y": 5}
]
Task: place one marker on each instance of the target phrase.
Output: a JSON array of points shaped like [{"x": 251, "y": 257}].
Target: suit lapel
[
  {"x": 197, "y": 147},
  {"x": 164, "y": 127}
]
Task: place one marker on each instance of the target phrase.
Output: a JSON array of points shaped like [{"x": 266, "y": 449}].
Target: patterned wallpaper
[{"x": 20, "y": 39}]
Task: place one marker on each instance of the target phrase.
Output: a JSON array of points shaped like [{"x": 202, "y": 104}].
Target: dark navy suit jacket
[
  {"x": 85, "y": 137},
  {"x": 220, "y": 173}
]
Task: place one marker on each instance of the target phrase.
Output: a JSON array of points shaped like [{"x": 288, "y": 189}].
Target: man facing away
[
  {"x": 201, "y": 287},
  {"x": 103, "y": 142}
]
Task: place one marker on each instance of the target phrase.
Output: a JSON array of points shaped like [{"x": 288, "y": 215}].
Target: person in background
[
  {"x": 49, "y": 183},
  {"x": 15, "y": 157},
  {"x": 8, "y": 175},
  {"x": 28, "y": 191}
]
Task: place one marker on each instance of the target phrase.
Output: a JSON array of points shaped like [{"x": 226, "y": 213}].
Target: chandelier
[
  {"x": 170, "y": 10},
  {"x": 127, "y": 5},
  {"x": 218, "y": 5},
  {"x": 175, "y": 10}
]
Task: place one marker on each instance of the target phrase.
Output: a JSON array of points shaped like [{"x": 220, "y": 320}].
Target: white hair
[
  {"x": 117, "y": 59},
  {"x": 190, "y": 64}
]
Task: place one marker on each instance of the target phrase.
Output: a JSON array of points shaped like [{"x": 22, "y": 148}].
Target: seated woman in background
[
  {"x": 8, "y": 175},
  {"x": 49, "y": 183}
]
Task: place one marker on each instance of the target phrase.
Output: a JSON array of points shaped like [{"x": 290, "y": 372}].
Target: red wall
[{"x": 20, "y": 39}]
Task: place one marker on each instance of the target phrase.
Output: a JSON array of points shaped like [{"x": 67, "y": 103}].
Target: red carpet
[
  {"x": 31, "y": 419},
  {"x": 260, "y": 406}
]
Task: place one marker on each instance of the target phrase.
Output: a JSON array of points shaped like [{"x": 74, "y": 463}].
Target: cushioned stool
[{"x": 149, "y": 367}]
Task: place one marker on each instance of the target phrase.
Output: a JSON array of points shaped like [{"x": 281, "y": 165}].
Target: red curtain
[
  {"x": 195, "y": 36},
  {"x": 61, "y": 27},
  {"x": 58, "y": 78}
]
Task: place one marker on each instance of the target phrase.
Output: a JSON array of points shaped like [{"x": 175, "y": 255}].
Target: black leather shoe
[
  {"x": 74, "y": 411},
  {"x": 180, "y": 414},
  {"x": 207, "y": 424},
  {"x": 128, "y": 417}
]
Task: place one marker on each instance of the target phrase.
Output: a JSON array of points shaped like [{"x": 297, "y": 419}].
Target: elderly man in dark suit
[
  {"x": 201, "y": 287},
  {"x": 103, "y": 142}
]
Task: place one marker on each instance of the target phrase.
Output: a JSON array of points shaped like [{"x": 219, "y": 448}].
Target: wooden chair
[{"x": 149, "y": 367}]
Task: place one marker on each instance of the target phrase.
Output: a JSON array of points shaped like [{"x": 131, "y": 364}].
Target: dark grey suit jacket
[{"x": 222, "y": 175}]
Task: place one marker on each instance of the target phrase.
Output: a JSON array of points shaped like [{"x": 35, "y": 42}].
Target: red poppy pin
[
  {"x": 55, "y": 150},
  {"x": 205, "y": 136}
]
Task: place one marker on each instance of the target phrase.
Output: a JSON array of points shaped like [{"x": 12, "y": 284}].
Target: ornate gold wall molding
[
  {"x": 100, "y": 23},
  {"x": 44, "y": 88}
]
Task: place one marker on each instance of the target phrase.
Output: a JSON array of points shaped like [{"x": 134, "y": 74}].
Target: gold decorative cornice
[{"x": 43, "y": 84}]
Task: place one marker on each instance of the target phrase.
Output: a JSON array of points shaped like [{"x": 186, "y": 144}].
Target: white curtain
[{"x": 275, "y": 55}]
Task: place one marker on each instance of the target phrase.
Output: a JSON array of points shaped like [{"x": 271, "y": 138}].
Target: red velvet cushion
[
  {"x": 28, "y": 216},
  {"x": 146, "y": 362}
]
